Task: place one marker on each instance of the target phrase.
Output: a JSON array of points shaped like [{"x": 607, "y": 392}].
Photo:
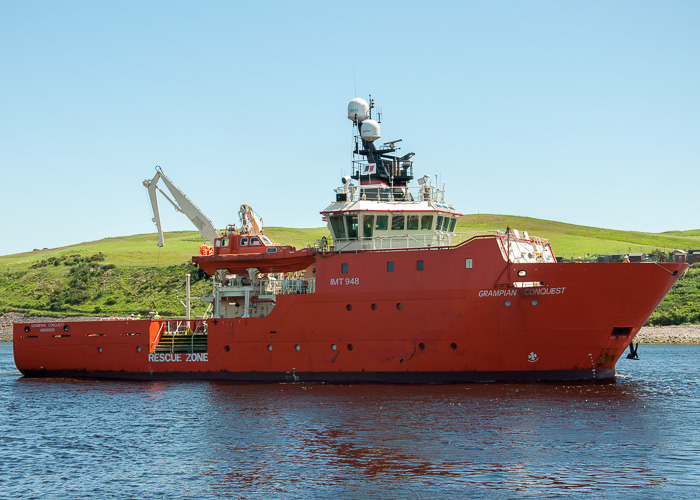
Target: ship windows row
[
  {"x": 348, "y": 226},
  {"x": 254, "y": 241},
  {"x": 420, "y": 266}
]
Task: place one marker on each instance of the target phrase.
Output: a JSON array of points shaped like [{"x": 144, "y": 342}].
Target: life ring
[{"x": 206, "y": 250}]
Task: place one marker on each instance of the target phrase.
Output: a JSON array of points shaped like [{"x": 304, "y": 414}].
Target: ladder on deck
[{"x": 182, "y": 342}]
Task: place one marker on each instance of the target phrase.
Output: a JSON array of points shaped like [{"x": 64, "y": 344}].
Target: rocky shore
[{"x": 684, "y": 334}]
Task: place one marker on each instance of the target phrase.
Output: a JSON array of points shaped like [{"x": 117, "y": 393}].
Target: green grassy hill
[
  {"x": 569, "y": 240},
  {"x": 120, "y": 276}
]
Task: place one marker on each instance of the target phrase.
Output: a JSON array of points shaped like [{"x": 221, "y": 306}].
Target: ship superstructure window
[
  {"x": 468, "y": 263},
  {"x": 426, "y": 222},
  {"x": 438, "y": 226},
  {"x": 244, "y": 241},
  {"x": 420, "y": 265},
  {"x": 367, "y": 225},
  {"x": 266, "y": 240},
  {"x": 254, "y": 240},
  {"x": 338, "y": 227},
  {"x": 390, "y": 267},
  {"x": 343, "y": 268},
  {"x": 412, "y": 223},
  {"x": 382, "y": 223},
  {"x": 351, "y": 221},
  {"x": 397, "y": 222},
  {"x": 224, "y": 242},
  {"x": 453, "y": 222},
  {"x": 445, "y": 224}
]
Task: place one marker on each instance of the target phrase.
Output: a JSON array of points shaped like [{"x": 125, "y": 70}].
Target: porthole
[
  {"x": 374, "y": 307},
  {"x": 138, "y": 349},
  {"x": 269, "y": 348},
  {"x": 399, "y": 306},
  {"x": 227, "y": 348},
  {"x": 522, "y": 273},
  {"x": 453, "y": 346},
  {"x": 421, "y": 346},
  {"x": 334, "y": 347},
  {"x": 349, "y": 347},
  {"x": 507, "y": 303},
  {"x": 348, "y": 307},
  {"x": 26, "y": 329},
  {"x": 66, "y": 328},
  {"x": 534, "y": 302},
  {"x": 99, "y": 349},
  {"x": 297, "y": 347}
]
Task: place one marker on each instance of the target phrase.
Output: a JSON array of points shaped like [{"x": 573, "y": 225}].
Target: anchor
[{"x": 633, "y": 351}]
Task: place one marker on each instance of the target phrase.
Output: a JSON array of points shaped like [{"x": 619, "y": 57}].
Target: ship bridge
[{"x": 419, "y": 217}]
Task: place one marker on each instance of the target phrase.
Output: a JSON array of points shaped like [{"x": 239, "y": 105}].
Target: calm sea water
[{"x": 636, "y": 437}]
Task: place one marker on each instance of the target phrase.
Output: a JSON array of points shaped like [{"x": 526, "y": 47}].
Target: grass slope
[{"x": 569, "y": 240}]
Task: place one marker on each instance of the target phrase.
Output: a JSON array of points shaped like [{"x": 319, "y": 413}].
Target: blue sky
[{"x": 585, "y": 112}]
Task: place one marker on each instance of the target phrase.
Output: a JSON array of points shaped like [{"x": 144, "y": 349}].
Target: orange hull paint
[
  {"x": 281, "y": 262},
  {"x": 444, "y": 323}
]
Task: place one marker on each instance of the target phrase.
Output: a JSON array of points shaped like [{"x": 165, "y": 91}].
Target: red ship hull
[{"x": 461, "y": 314}]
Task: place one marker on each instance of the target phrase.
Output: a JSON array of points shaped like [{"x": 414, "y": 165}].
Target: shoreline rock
[{"x": 682, "y": 334}]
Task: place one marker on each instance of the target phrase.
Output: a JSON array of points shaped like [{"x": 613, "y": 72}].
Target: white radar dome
[
  {"x": 370, "y": 130},
  {"x": 358, "y": 109}
]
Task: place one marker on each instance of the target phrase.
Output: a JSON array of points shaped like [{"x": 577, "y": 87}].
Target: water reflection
[
  {"x": 638, "y": 433},
  {"x": 502, "y": 436}
]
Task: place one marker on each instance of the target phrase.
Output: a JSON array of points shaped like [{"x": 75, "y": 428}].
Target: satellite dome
[
  {"x": 370, "y": 130},
  {"x": 358, "y": 110}
]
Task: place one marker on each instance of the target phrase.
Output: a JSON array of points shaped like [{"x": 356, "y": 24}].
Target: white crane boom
[
  {"x": 250, "y": 221},
  {"x": 182, "y": 204}
]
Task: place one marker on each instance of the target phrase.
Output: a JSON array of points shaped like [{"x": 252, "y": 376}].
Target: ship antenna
[{"x": 354, "y": 79}]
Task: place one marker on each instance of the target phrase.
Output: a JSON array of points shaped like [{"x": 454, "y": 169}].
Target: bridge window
[
  {"x": 254, "y": 240},
  {"x": 438, "y": 226},
  {"x": 351, "y": 221},
  {"x": 367, "y": 225},
  {"x": 453, "y": 222},
  {"x": 382, "y": 223},
  {"x": 445, "y": 224},
  {"x": 244, "y": 241},
  {"x": 224, "y": 242},
  {"x": 426, "y": 222},
  {"x": 397, "y": 222},
  {"x": 412, "y": 222},
  {"x": 267, "y": 240},
  {"x": 338, "y": 227}
]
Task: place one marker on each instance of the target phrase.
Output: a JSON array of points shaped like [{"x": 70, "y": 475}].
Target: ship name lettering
[
  {"x": 545, "y": 291},
  {"x": 527, "y": 292},
  {"x": 497, "y": 293},
  {"x": 345, "y": 281}
]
